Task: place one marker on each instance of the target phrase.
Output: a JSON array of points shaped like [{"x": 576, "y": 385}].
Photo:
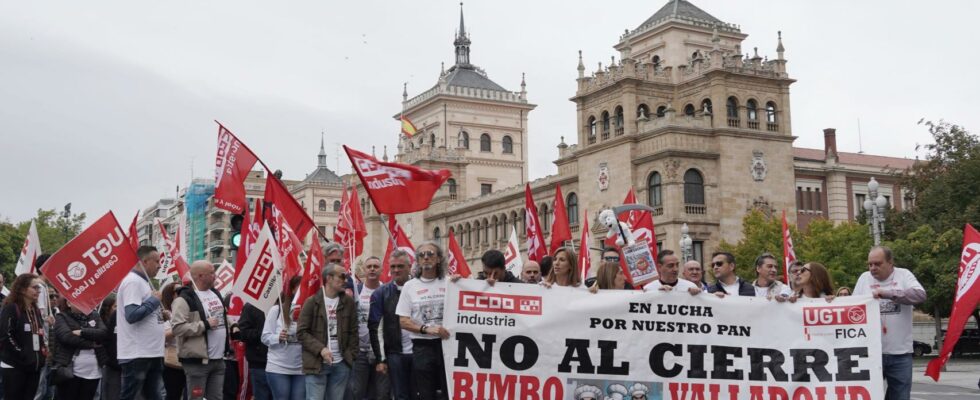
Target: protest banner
[
  {"x": 260, "y": 280},
  {"x": 514, "y": 341},
  {"x": 639, "y": 263},
  {"x": 92, "y": 264}
]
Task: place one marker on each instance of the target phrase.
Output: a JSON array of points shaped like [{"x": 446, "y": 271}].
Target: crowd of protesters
[{"x": 370, "y": 341}]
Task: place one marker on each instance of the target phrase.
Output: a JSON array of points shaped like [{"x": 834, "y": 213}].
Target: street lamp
[
  {"x": 876, "y": 210},
  {"x": 685, "y": 243}
]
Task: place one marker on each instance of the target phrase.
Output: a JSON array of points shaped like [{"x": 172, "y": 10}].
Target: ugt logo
[{"x": 835, "y": 315}]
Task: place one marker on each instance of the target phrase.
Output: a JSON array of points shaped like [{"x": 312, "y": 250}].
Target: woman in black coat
[
  {"x": 22, "y": 348},
  {"x": 80, "y": 346}
]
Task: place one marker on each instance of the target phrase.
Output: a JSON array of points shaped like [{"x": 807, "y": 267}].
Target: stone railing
[
  {"x": 485, "y": 94},
  {"x": 672, "y": 119},
  {"x": 695, "y": 209}
]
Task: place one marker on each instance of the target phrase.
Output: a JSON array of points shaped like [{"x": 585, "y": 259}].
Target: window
[
  {"x": 605, "y": 122},
  {"x": 485, "y": 142},
  {"x": 706, "y": 106},
  {"x": 771, "y": 112},
  {"x": 486, "y": 231},
  {"x": 464, "y": 140},
  {"x": 859, "y": 204},
  {"x": 336, "y": 205},
  {"x": 508, "y": 145},
  {"x": 322, "y": 205},
  {"x": 731, "y": 108},
  {"x": 642, "y": 111},
  {"x": 689, "y": 110},
  {"x": 592, "y": 125},
  {"x": 322, "y": 229},
  {"x": 451, "y": 185},
  {"x": 571, "y": 205},
  {"x": 752, "y": 109},
  {"x": 436, "y": 234},
  {"x": 697, "y": 250},
  {"x": 661, "y": 111},
  {"x": 619, "y": 120},
  {"x": 485, "y": 189},
  {"x": 432, "y": 139},
  {"x": 543, "y": 217},
  {"x": 693, "y": 187},
  {"x": 654, "y": 190},
  {"x": 656, "y": 61}
]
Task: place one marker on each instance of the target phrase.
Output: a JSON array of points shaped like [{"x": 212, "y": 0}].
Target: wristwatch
[{"x": 422, "y": 329}]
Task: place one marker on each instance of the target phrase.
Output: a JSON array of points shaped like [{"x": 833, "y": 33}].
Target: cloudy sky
[{"x": 110, "y": 104}]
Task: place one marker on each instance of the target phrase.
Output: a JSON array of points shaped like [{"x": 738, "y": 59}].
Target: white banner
[
  {"x": 260, "y": 280},
  {"x": 515, "y": 341}
]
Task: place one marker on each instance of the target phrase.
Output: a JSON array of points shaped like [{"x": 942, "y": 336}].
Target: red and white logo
[
  {"x": 835, "y": 315},
  {"x": 263, "y": 270},
  {"x": 499, "y": 303}
]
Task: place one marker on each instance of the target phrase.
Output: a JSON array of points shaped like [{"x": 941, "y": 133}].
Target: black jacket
[
  {"x": 744, "y": 288},
  {"x": 383, "y": 303},
  {"x": 250, "y": 331},
  {"x": 109, "y": 344},
  {"x": 16, "y": 343},
  {"x": 93, "y": 335},
  {"x": 508, "y": 277}
]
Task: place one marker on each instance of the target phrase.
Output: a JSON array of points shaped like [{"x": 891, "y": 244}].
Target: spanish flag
[{"x": 408, "y": 128}]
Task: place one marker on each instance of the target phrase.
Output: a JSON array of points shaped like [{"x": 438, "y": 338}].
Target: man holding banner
[{"x": 420, "y": 310}]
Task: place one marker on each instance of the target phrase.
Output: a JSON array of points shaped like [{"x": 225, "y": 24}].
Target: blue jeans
[
  {"x": 287, "y": 387},
  {"x": 329, "y": 384},
  {"x": 400, "y": 376},
  {"x": 144, "y": 376},
  {"x": 260, "y": 384},
  {"x": 897, "y": 369}
]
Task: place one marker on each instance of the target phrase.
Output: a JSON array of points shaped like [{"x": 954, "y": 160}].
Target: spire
[
  {"x": 405, "y": 91},
  {"x": 523, "y": 84},
  {"x": 321, "y": 159},
  {"x": 462, "y": 42},
  {"x": 384, "y": 157},
  {"x": 581, "y": 66},
  {"x": 780, "y": 49}
]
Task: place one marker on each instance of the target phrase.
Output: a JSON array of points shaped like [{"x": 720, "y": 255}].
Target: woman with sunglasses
[
  {"x": 610, "y": 274},
  {"x": 420, "y": 311},
  {"x": 813, "y": 281},
  {"x": 564, "y": 271},
  {"x": 22, "y": 344}
]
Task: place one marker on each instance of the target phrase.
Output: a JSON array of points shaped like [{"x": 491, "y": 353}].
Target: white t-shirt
[
  {"x": 363, "y": 309},
  {"x": 216, "y": 334},
  {"x": 284, "y": 358},
  {"x": 143, "y": 339},
  {"x": 333, "y": 343},
  {"x": 682, "y": 285},
  {"x": 423, "y": 300},
  {"x": 406, "y": 334},
  {"x": 896, "y": 319},
  {"x": 86, "y": 365},
  {"x": 731, "y": 290}
]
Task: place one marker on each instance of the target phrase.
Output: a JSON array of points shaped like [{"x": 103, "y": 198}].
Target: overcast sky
[{"x": 110, "y": 104}]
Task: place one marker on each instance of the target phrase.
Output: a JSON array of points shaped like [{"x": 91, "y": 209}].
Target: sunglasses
[
  {"x": 342, "y": 277},
  {"x": 718, "y": 263},
  {"x": 426, "y": 254},
  {"x": 611, "y": 258},
  {"x": 801, "y": 270}
]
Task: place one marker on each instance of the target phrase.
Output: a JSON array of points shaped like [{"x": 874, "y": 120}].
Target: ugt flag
[
  {"x": 396, "y": 188},
  {"x": 29, "y": 252},
  {"x": 231, "y": 166},
  {"x": 260, "y": 280},
  {"x": 92, "y": 264},
  {"x": 967, "y": 297}
]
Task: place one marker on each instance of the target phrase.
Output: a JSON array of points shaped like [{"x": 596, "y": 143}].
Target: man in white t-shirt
[
  {"x": 766, "y": 283},
  {"x": 366, "y": 380},
  {"x": 420, "y": 311},
  {"x": 897, "y": 291},
  {"x": 200, "y": 326},
  {"x": 668, "y": 271},
  {"x": 139, "y": 329},
  {"x": 327, "y": 330}
]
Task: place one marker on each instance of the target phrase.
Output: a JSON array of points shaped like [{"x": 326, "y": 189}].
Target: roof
[
  {"x": 322, "y": 175},
  {"x": 867, "y": 160},
  {"x": 682, "y": 9},
  {"x": 471, "y": 78}
]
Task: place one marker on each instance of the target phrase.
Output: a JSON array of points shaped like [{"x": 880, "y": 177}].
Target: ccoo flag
[
  {"x": 231, "y": 166},
  {"x": 28, "y": 252},
  {"x": 535, "y": 236},
  {"x": 260, "y": 280},
  {"x": 512, "y": 254},
  {"x": 966, "y": 300},
  {"x": 396, "y": 188}
]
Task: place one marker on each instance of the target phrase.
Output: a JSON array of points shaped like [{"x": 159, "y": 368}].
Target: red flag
[
  {"x": 289, "y": 245},
  {"x": 282, "y": 201},
  {"x": 641, "y": 223},
  {"x": 454, "y": 258},
  {"x": 250, "y": 232},
  {"x": 260, "y": 281},
  {"x": 535, "y": 237},
  {"x": 403, "y": 243},
  {"x": 134, "y": 240},
  {"x": 233, "y": 162},
  {"x": 965, "y": 302},
  {"x": 178, "y": 264},
  {"x": 245, "y": 386},
  {"x": 560, "y": 229},
  {"x": 789, "y": 255},
  {"x": 396, "y": 188},
  {"x": 584, "y": 257},
  {"x": 350, "y": 230},
  {"x": 92, "y": 264},
  {"x": 311, "y": 273}
]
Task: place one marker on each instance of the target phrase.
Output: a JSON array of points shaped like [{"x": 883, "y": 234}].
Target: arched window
[
  {"x": 693, "y": 187},
  {"x": 484, "y": 142},
  {"x": 689, "y": 110},
  {"x": 661, "y": 111},
  {"x": 336, "y": 205},
  {"x": 752, "y": 107},
  {"x": 469, "y": 235},
  {"x": 654, "y": 190},
  {"x": 364, "y": 205},
  {"x": 508, "y": 145},
  {"x": 496, "y": 228},
  {"x": 513, "y": 220},
  {"x": 591, "y": 128},
  {"x": 731, "y": 107},
  {"x": 464, "y": 140},
  {"x": 771, "y": 112},
  {"x": 642, "y": 111},
  {"x": 451, "y": 185},
  {"x": 571, "y": 204},
  {"x": 432, "y": 139},
  {"x": 656, "y": 61},
  {"x": 619, "y": 120},
  {"x": 322, "y": 205},
  {"x": 605, "y": 122},
  {"x": 543, "y": 217},
  {"x": 476, "y": 233},
  {"x": 486, "y": 231},
  {"x": 706, "y": 106},
  {"x": 436, "y": 234},
  {"x": 696, "y": 55}
]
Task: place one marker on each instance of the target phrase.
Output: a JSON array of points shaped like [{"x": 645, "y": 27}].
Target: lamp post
[
  {"x": 685, "y": 243},
  {"x": 875, "y": 206}
]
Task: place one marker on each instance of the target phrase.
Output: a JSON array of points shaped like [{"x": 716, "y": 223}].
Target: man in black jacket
[
  {"x": 494, "y": 268},
  {"x": 250, "y": 331},
  {"x": 726, "y": 282},
  {"x": 396, "y": 357}
]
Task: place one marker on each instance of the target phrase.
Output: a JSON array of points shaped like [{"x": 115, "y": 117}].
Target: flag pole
[{"x": 391, "y": 237}]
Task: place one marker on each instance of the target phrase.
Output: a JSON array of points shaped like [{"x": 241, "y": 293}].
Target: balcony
[
  {"x": 658, "y": 211},
  {"x": 605, "y": 134},
  {"x": 772, "y": 127},
  {"x": 619, "y": 131},
  {"x": 695, "y": 209},
  {"x": 734, "y": 122},
  {"x": 217, "y": 226},
  {"x": 753, "y": 124},
  {"x": 591, "y": 139},
  {"x": 217, "y": 243}
]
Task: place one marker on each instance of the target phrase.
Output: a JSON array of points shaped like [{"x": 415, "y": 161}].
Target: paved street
[{"x": 959, "y": 381}]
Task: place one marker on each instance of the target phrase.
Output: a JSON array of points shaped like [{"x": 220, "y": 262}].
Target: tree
[
  {"x": 54, "y": 229},
  {"x": 761, "y": 234}
]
